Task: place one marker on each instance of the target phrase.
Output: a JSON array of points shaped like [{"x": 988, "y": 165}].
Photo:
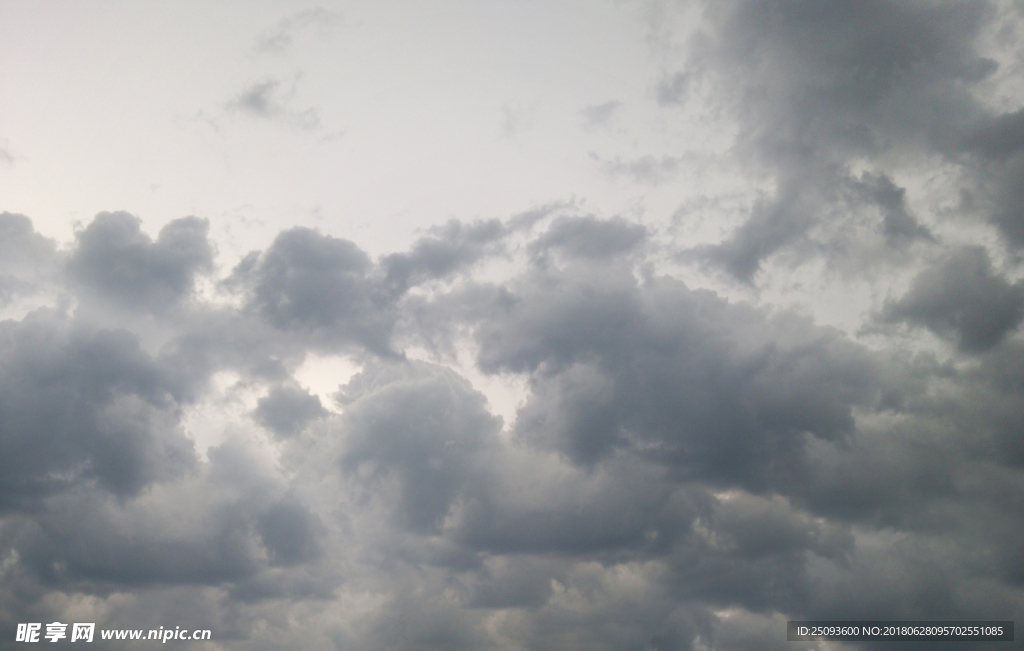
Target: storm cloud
[
  {"x": 964, "y": 299},
  {"x": 797, "y": 392}
]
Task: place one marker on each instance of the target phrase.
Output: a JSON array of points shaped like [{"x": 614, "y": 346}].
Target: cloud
[
  {"x": 318, "y": 285},
  {"x": 816, "y": 89},
  {"x": 270, "y": 100},
  {"x": 589, "y": 237},
  {"x": 996, "y": 144},
  {"x": 673, "y": 89},
  {"x": 196, "y": 531},
  {"x": 773, "y": 223},
  {"x": 117, "y": 261},
  {"x": 28, "y": 261},
  {"x": 963, "y": 299},
  {"x": 998, "y": 138},
  {"x": 898, "y": 225},
  {"x": 845, "y": 79},
  {"x": 256, "y": 99},
  {"x": 515, "y": 120},
  {"x": 646, "y": 169},
  {"x": 599, "y": 115},
  {"x": 419, "y": 426},
  {"x": 282, "y": 37},
  {"x": 683, "y": 469},
  {"x": 444, "y": 251},
  {"x": 290, "y": 533},
  {"x": 587, "y": 404},
  {"x": 82, "y": 405},
  {"x": 848, "y": 220},
  {"x": 287, "y": 410},
  {"x": 684, "y": 460}
]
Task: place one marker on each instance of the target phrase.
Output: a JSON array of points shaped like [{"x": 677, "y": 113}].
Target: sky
[{"x": 615, "y": 325}]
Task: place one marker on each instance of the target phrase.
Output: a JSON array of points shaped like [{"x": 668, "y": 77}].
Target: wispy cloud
[
  {"x": 283, "y": 35},
  {"x": 271, "y": 99},
  {"x": 600, "y": 115},
  {"x": 649, "y": 169},
  {"x": 516, "y": 120}
]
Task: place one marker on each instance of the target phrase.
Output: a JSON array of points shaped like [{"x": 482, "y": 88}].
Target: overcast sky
[{"x": 611, "y": 325}]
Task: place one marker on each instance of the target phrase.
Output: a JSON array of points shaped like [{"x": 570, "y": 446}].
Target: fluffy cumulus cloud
[
  {"x": 693, "y": 458},
  {"x": 27, "y": 259},
  {"x": 116, "y": 260}
]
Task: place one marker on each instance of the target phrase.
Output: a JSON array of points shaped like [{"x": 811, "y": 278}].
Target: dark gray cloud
[
  {"x": 998, "y": 138},
  {"x": 85, "y": 543},
  {"x": 682, "y": 468},
  {"x": 898, "y": 226},
  {"x": 427, "y": 621},
  {"x": 589, "y": 237},
  {"x": 318, "y": 285},
  {"x": 870, "y": 207},
  {"x": 80, "y": 405},
  {"x": 115, "y": 260},
  {"x": 765, "y": 405},
  {"x": 843, "y": 81},
  {"x": 684, "y": 471},
  {"x": 1007, "y": 211},
  {"x": 444, "y": 251},
  {"x": 22, "y": 246},
  {"x": 620, "y": 509},
  {"x": 211, "y": 340},
  {"x": 290, "y": 533},
  {"x": 243, "y": 540},
  {"x": 615, "y": 369},
  {"x": 816, "y": 87},
  {"x": 997, "y": 146},
  {"x": 287, "y": 409},
  {"x": 28, "y": 260},
  {"x": 419, "y": 426},
  {"x": 821, "y": 211},
  {"x": 773, "y": 223},
  {"x": 964, "y": 299},
  {"x": 513, "y": 581}
]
